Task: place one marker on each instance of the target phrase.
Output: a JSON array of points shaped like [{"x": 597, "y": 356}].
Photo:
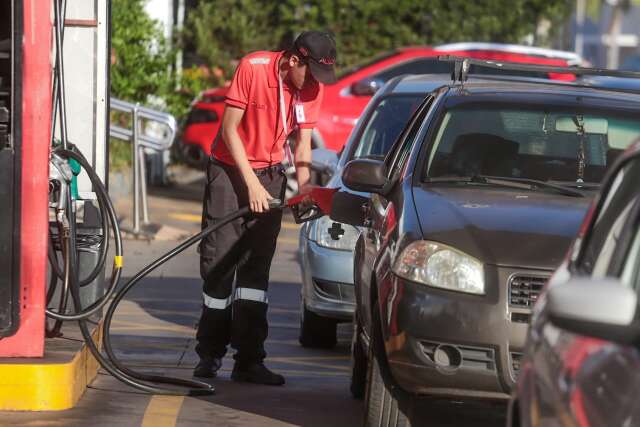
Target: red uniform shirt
[{"x": 254, "y": 88}]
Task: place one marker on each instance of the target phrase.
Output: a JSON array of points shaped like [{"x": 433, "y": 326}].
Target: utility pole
[
  {"x": 581, "y": 8},
  {"x": 179, "y": 28}
]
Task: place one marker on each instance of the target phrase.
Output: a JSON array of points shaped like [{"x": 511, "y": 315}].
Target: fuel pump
[{"x": 25, "y": 112}]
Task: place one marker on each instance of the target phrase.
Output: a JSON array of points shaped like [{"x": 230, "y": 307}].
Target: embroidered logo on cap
[
  {"x": 304, "y": 51},
  {"x": 327, "y": 61}
]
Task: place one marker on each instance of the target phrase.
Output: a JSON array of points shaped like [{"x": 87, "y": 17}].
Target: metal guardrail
[{"x": 141, "y": 140}]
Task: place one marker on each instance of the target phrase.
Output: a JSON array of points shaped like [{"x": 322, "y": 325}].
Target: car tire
[
  {"x": 192, "y": 155},
  {"x": 382, "y": 408},
  {"x": 381, "y": 404},
  {"x": 358, "y": 363},
  {"x": 317, "y": 331}
]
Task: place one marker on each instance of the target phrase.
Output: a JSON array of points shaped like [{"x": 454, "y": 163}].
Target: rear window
[{"x": 559, "y": 145}]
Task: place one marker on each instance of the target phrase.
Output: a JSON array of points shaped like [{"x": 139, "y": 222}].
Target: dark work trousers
[{"x": 242, "y": 250}]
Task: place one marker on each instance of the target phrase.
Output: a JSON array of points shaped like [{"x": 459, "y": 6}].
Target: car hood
[{"x": 500, "y": 226}]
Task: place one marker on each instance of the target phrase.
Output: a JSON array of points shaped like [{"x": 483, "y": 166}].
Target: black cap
[{"x": 318, "y": 49}]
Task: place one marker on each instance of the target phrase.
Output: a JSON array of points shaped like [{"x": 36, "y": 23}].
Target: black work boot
[
  {"x": 255, "y": 373},
  {"x": 207, "y": 367}
]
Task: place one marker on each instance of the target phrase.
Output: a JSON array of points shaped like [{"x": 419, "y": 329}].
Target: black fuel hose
[
  {"x": 122, "y": 292},
  {"x": 68, "y": 238},
  {"x": 110, "y": 363},
  {"x": 105, "y": 202},
  {"x": 104, "y": 247},
  {"x": 197, "y": 387},
  {"x": 102, "y": 252},
  {"x": 53, "y": 258},
  {"x": 56, "y": 272},
  {"x": 64, "y": 294},
  {"x": 70, "y": 253},
  {"x": 106, "y": 339}
]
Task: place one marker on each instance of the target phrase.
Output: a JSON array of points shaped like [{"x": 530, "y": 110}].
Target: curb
[{"x": 53, "y": 383}]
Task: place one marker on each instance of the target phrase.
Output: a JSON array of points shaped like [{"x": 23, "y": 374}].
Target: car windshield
[
  {"x": 562, "y": 146},
  {"x": 385, "y": 124}
]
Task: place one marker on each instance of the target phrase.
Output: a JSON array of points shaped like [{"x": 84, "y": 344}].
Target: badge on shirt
[{"x": 300, "y": 118}]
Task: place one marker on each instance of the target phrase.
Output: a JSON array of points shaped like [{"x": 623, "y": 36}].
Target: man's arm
[
  {"x": 258, "y": 196},
  {"x": 302, "y": 158}
]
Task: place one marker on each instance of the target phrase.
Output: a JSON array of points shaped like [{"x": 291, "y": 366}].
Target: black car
[
  {"x": 471, "y": 211},
  {"x": 581, "y": 359}
]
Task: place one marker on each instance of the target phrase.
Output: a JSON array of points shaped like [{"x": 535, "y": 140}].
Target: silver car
[
  {"x": 326, "y": 247},
  {"x": 580, "y": 365}
]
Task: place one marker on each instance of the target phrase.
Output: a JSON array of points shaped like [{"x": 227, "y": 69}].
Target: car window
[
  {"x": 385, "y": 125},
  {"x": 529, "y": 142},
  {"x": 415, "y": 66},
  {"x": 396, "y": 159},
  {"x": 609, "y": 239}
]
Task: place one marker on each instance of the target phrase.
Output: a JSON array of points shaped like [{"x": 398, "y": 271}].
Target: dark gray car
[
  {"x": 472, "y": 210},
  {"x": 326, "y": 246},
  {"x": 581, "y": 363}
]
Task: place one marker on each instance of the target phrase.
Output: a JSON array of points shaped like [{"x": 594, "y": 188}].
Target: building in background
[{"x": 609, "y": 39}]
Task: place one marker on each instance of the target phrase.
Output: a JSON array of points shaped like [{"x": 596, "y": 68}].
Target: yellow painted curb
[{"x": 42, "y": 386}]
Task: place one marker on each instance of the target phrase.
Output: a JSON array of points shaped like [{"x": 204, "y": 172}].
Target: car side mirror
[
  {"x": 602, "y": 308},
  {"x": 366, "y": 175},
  {"x": 366, "y": 87},
  {"x": 324, "y": 161}
]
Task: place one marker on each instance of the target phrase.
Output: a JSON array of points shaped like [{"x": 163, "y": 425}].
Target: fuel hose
[{"x": 114, "y": 297}]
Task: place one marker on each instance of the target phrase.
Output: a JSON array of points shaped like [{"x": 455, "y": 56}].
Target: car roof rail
[
  {"x": 462, "y": 66},
  {"x": 572, "y": 58}
]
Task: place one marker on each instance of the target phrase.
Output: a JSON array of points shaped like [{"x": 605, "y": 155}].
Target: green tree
[
  {"x": 142, "y": 58},
  {"x": 224, "y": 30},
  {"x": 144, "y": 63}
]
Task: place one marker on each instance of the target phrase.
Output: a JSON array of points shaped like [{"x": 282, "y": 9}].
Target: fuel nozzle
[
  {"x": 312, "y": 204},
  {"x": 60, "y": 175}
]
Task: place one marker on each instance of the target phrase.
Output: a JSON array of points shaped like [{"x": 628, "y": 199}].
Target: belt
[
  {"x": 277, "y": 168},
  {"x": 269, "y": 170}
]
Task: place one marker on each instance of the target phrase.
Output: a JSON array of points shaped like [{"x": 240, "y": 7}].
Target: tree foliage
[
  {"x": 224, "y": 30},
  {"x": 142, "y": 59},
  {"x": 144, "y": 63}
]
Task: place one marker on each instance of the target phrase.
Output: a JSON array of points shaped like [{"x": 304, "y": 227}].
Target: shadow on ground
[{"x": 316, "y": 392}]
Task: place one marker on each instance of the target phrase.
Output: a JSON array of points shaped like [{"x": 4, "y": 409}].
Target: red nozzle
[{"x": 320, "y": 196}]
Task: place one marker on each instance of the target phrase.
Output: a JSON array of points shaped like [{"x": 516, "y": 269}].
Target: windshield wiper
[
  {"x": 574, "y": 184},
  {"x": 519, "y": 183}
]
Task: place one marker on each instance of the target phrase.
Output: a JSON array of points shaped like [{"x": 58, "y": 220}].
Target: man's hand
[
  {"x": 258, "y": 196},
  {"x": 307, "y": 201}
]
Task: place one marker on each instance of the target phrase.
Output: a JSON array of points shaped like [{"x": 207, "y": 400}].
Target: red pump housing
[{"x": 33, "y": 75}]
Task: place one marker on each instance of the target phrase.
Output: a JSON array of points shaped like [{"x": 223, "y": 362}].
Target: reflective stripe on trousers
[{"x": 247, "y": 294}]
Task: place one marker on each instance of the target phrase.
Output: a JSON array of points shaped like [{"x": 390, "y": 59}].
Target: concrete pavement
[{"x": 153, "y": 331}]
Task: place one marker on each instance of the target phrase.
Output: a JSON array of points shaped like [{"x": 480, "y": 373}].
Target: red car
[{"x": 345, "y": 100}]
